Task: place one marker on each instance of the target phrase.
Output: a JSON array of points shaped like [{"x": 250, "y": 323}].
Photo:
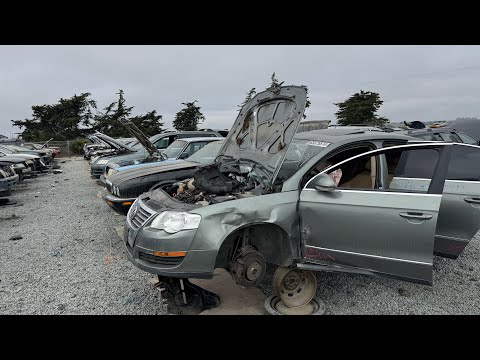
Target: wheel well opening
[{"x": 268, "y": 239}]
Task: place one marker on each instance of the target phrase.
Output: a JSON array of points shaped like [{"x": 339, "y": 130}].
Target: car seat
[{"x": 364, "y": 179}]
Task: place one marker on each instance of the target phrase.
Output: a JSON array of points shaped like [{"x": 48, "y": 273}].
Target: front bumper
[
  {"x": 119, "y": 205},
  {"x": 141, "y": 243},
  {"x": 97, "y": 170}
]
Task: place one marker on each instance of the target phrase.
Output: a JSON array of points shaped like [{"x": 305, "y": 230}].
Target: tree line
[{"x": 78, "y": 116}]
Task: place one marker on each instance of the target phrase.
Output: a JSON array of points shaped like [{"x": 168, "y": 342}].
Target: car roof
[
  {"x": 195, "y": 139},
  {"x": 351, "y": 134}
]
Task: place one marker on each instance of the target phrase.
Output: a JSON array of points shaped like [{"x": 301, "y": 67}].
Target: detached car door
[{"x": 362, "y": 226}]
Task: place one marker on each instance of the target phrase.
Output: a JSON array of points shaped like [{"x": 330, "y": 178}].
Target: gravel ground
[
  {"x": 455, "y": 290},
  {"x": 71, "y": 261}
]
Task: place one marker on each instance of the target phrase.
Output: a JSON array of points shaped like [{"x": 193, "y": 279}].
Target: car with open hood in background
[
  {"x": 362, "y": 202},
  {"x": 32, "y": 162},
  {"x": 44, "y": 155},
  {"x": 126, "y": 183},
  {"x": 148, "y": 149}
]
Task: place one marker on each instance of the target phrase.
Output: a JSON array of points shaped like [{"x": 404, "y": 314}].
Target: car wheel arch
[{"x": 271, "y": 240}]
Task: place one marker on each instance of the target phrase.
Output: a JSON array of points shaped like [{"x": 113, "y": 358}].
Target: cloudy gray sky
[{"x": 427, "y": 83}]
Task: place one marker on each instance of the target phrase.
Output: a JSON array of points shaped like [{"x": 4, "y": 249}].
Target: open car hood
[
  {"x": 264, "y": 129},
  {"x": 115, "y": 144},
  {"x": 140, "y": 136}
]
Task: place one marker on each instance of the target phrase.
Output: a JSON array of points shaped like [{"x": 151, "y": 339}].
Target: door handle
[
  {"x": 415, "y": 215},
  {"x": 472, "y": 200}
]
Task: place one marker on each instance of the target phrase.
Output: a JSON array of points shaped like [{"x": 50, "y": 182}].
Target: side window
[
  {"x": 162, "y": 143},
  {"x": 460, "y": 165},
  {"x": 467, "y": 139},
  {"x": 428, "y": 137},
  {"x": 359, "y": 173},
  {"x": 193, "y": 147},
  {"x": 335, "y": 158},
  {"x": 408, "y": 171},
  {"x": 411, "y": 170},
  {"x": 451, "y": 137}
]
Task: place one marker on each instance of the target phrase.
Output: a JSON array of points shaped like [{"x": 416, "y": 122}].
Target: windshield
[
  {"x": 17, "y": 148},
  {"x": 207, "y": 154},
  {"x": 299, "y": 153},
  {"x": 6, "y": 150},
  {"x": 174, "y": 150}
]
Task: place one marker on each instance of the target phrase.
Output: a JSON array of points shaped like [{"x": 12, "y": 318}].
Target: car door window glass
[
  {"x": 162, "y": 143},
  {"x": 462, "y": 163},
  {"x": 466, "y": 139},
  {"x": 193, "y": 147},
  {"x": 337, "y": 158},
  {"x": 451, "y": 137},
  {"x": 411, "y": 170},
  {"x": 408, "y": 171}
]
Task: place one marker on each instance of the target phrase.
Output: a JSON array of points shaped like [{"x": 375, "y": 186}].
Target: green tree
[
  {"x": 275, "y": 83},
  {"x": 360, "y": 108},
  {"x": 249, "y": 96},
  {"x": 107, "y": 121},
  {"x": 149, "y": 123},
  {"x": 68, "y": 119},
  {"x": 188, "y": 118},
  {"x": 109, "y": 124}
]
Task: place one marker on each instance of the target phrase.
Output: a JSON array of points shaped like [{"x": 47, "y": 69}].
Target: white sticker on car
[{"x": 318, "y": 143}]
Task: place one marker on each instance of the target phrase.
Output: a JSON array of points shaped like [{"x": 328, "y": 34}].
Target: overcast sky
[{"x": 426, "y": 83}]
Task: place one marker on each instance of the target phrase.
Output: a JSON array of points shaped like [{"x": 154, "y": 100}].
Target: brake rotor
[
  {"x": 294, "y": 287},
  {"x": 249, "y": 268}
]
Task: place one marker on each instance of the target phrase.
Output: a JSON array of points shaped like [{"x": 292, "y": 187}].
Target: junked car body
[
  {"x": 8, "y": 178},
  {"x": 148, "y": 148},
  {"x": 128, "y": 182},
  {"x": 335, "y": 201}
]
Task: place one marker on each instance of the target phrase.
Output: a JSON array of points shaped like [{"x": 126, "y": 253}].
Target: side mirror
[
  {"x": 183, "y": 155},
  {"x": 324, "y": 182}
]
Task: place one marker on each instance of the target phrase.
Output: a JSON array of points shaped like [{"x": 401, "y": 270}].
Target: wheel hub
[
  {"x": 253, "y": 271},
  {"x": 248, "y": 268}
]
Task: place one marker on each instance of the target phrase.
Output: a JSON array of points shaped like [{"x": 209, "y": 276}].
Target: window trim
[
  {"x": 440, "y": 169},
  {"x": 333, "y": 152}
]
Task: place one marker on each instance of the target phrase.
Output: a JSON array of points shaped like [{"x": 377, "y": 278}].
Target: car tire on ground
[{"x": 274, "y": 306}]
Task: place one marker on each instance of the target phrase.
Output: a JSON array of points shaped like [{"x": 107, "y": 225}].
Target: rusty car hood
[{"x": 264, "y": 129}]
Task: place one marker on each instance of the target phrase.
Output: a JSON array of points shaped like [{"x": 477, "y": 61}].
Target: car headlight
[
  {"x": 174, "y": 221},
  {"x": 18, "y": 166},
  {"x": 102, "y": 162}
]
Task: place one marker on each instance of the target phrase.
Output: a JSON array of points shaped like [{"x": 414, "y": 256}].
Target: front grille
[
  {"x": 97, "y": 172},
  {"x": 141, "y": 215},
  {"x": 135, "y": 190},
  {"x": 8, "y": 171},
  {"x": 108, "y": 185},
  {"x": 160, "y": 260}
]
